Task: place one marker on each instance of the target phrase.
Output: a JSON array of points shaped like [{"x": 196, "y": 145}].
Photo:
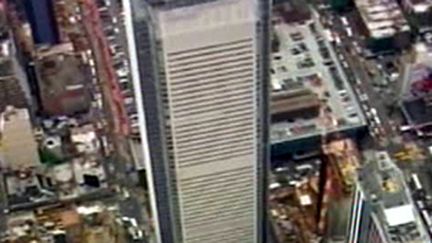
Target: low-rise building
[
  {"x": 62, "y": 81},
  {"x": 416, "y": 94},
  {"x": 18, "y": 148},
  {"x": 420, "y": 13},
  {"x": 384, "y": 23},
  {"x": 311, "y": 95},
  {"x": 85, "y": 139}
]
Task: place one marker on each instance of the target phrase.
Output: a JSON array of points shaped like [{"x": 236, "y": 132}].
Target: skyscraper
[
  {"x": 382, "y": 209},
  {"x": 200, "y": 74},
  {"x": 40, "y": 14}
]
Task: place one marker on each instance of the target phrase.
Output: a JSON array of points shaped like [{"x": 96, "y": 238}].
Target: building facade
[
  {"x": 41, "y": 15},
  {"x": 363, "y": 225},
  {"x": 200, "y": 76},
  {"x": 382, "y": 210}
]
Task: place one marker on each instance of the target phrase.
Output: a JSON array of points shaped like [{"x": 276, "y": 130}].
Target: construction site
[
  {"x": 315, "y": 119},
  {"x": 305, "y": 196},
  {"x": 87, "y": 224}
]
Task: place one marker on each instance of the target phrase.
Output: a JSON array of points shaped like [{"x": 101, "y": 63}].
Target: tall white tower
[{"x": 200, "y": 71}]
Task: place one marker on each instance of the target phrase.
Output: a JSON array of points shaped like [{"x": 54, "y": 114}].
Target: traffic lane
[
  {"x": 362, "y": 86},
  {"x": 134, "y": 205},
  {"x": 375, "y": 100},
  {"x": 366, "y": 100},
  {"x": 378, "y": 67},
  {"x": 131, "y": 207},
  {"x": 360, "y": 79},
  {"x": 119, "y": 38},
  {"x": 386, "y": 108},
  {"x": 391, "y": 133},
  {"x": 380, "y": 99},
  {"x": 379, "y": 126},
  {"x": 119, "y": 49}
]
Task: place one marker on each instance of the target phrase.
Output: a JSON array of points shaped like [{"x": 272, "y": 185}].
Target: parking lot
[{"x": 307, "y": 61}]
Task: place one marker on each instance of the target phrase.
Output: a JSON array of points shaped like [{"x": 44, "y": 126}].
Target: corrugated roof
[
  {"x": 383, "y": 18},
  {"x": 293, "y": 101}
]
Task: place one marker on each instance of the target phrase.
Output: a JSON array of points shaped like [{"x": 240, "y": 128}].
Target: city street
[
  {"x": 376, "y": 96},
  {"x": 132, "y": 208},
  {"x": 378, "y": 82},
  {"x": 119, "y": 166}
]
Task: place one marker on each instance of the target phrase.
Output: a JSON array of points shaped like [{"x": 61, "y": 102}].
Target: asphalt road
[
  {"x": 131, "y": 207},
  {"x": 365, "y": 74},
  {"x": 119, "y": 168},
  {"x": 134, "y": 205}
]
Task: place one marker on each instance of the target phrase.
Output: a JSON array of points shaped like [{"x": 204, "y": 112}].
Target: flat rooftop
[
  {"x": 415, "y": 97},
  {"x": 418, "y": 111},
  {"x": 62, "y": 80},
  {"x": 382, "y": 18},
  {"x": 417, "y": 74},
  {"x": 11, "y": 93},
  {"x": 383, "y": 185},
  {"x": 59, "y": 69},
  {"x": 307, "y": 61},
  {"x": 418, "y": 6}
]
